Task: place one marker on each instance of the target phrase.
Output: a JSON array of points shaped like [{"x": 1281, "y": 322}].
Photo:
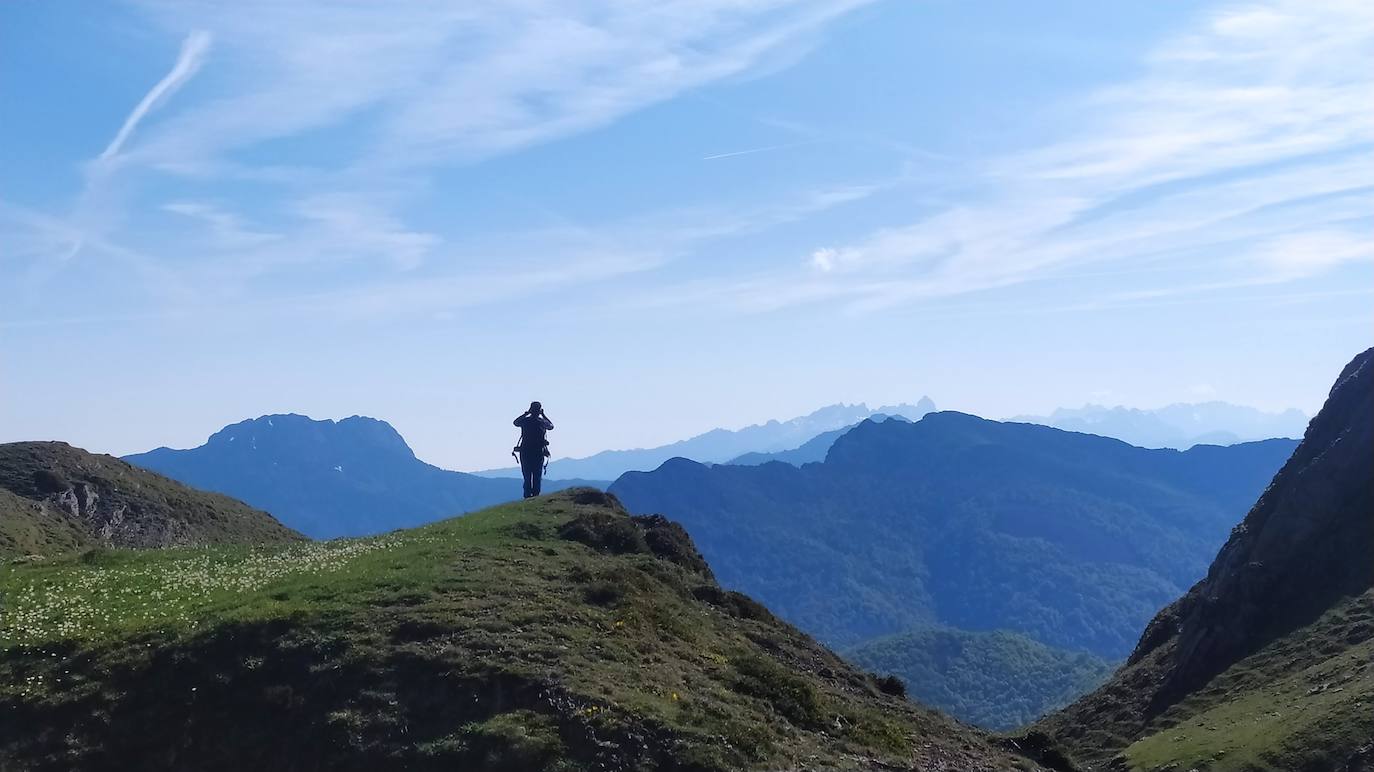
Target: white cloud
[
  {"x": 1231, "y": 133},
  {"x": 453, "y": 82},
  {"x": 193, "y": 50},
  {"x": 227, "y": 231},
  {"x": 376, "y": 97},
  {"x": 1303, "y": 254},
  {"x": 355, "y": 224},
  {"x": 824, "y": 259}
]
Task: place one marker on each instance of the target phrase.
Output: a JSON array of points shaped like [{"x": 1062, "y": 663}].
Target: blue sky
[{"x": 666, "y": 216}]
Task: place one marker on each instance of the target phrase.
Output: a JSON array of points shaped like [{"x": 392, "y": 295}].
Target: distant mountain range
[
  {"x": 1072, "y": 539},
  {"x": 809, "y": 452},
  {"x": 1265, "y": 663},
  {"x": 725, "y": 445},
  {"x": 1178, "y": 426},
  {"x": 327, "y": 478},
  {"x": 55, "y": 498}
]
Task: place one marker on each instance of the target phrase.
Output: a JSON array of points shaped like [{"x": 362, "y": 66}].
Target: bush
[
  {"x": 48, "y": 481},
  {"x": 891, "y": 684},
  {"x": 513, "y": 742},
  {"x": 604, "y": 592},
  {"x": 793, "y": 698},
  {"x": 603, "y": 532}
]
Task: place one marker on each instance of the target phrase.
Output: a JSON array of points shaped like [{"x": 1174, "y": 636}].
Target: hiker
[{"x": 533, "y": 448}]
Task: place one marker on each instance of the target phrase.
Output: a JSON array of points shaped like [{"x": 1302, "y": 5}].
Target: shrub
[
  {"x": 793, "y": 698},
  {"x": 604, "y": 592},
  {"x": 513, "y": 742},
  {"x": 48, "y": 481},
  {"x": 605, "y": 533},
  {"x": 891, "y": 684}
]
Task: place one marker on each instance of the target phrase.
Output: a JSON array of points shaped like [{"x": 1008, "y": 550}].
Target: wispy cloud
[
  {"x": 193, "y": 51},
  {"x": 226, "y": 229},
  {"x": 1213, "y": 157},
  {"x": 399, "y": 93},
  {"x": 451, "y": 83},
  {"x": 753, "y": 150}
]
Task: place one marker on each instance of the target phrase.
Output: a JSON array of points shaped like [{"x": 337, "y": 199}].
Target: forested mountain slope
[{"x": 1073, "y": 539}]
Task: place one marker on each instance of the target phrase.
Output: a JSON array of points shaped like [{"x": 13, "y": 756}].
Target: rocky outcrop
[
  {"x": 78, "y": 499},
  {"x": 109, "y": 520}
]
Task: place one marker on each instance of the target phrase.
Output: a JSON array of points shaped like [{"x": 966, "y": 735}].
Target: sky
[{"x": 662, "y": 217}]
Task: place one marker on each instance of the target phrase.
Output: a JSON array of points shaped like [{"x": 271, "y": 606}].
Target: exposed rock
[
  {"x": 1308, "y": 541},
  {"x": 77, "y": 499}
]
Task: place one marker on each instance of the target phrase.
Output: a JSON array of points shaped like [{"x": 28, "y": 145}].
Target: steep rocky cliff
[{"x": 1265, "y": 663}]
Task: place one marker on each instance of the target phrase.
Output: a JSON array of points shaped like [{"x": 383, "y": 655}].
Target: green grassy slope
[
  {"x": 1304, "y": 702},
  {"x": 998, "y": 680},
  {"x": 55, "y": 498},
  {"x": 500, "y": 640}
]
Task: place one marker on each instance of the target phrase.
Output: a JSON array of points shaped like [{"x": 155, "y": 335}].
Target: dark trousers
[{"x": 532, "y": 467}]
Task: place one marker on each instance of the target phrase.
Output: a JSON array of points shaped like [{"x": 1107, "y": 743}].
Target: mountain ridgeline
[
  {"x": 55, "y": 498},
  {"x": 1072, "y": 539},
  {"x": 811, "y": 451},
  {"x": 1268, "y": 662},
  {"x": 720, "y": 446},
  {"x": 326, "y": 479}
]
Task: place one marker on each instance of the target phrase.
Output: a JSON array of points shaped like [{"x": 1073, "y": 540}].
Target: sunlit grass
[{"x": 103, "y": 592}]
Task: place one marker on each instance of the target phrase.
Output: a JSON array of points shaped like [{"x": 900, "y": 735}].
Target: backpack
[{"x": 533, "y": 432}]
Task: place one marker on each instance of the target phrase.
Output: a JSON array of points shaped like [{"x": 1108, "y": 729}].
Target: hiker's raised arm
[
  {"x": 547, "y": 423},
  {"x": 518, "y": 419}
]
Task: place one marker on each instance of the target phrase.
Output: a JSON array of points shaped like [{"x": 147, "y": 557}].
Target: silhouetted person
[{"x": 533, "y": 447}]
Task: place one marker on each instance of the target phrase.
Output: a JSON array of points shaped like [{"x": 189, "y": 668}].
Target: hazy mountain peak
[
  {"x": 291, "y": 430},
  {"x": 329, "y": 478},
  {"x": 1179, "y": 425}
]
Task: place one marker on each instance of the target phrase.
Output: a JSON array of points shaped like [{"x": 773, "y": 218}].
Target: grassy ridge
[{"x": 500, "y": 640}]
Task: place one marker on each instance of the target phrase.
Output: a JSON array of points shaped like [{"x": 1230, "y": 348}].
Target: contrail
[
  {"x": 192, "y": 54},
  {"x": 756, "y": 150}
]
